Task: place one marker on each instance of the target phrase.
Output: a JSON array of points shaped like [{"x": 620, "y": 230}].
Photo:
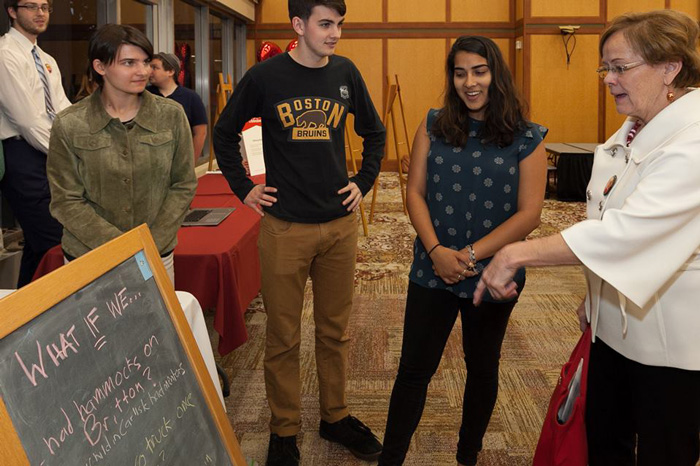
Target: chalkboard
[{"x": 107, "y": 374}]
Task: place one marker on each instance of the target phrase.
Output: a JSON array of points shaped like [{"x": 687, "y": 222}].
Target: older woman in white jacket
[{"x": 640, "y": 249}]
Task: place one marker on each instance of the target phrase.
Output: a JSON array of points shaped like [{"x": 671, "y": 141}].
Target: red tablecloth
[{"x": 218, "y": 265}]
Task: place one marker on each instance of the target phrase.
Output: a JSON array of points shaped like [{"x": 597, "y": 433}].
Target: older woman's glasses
[
  {"x": 33, "y": 7},
  {"x": 617, "y": 69}
]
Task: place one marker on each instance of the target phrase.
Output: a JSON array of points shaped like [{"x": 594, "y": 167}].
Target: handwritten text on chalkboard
[{"x": 101, "y": 378}]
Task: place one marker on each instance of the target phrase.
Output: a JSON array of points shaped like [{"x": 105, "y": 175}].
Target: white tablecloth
[{"x": 195, "y": 317}]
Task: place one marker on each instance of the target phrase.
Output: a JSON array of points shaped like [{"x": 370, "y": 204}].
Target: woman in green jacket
[{"x": 120, "y": 157}]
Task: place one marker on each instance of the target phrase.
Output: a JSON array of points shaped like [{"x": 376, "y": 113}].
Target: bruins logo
[{"x": 310, "y": 118}]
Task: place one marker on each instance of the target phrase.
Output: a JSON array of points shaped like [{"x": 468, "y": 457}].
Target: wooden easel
[
  {"x": 403, "y": 120},
  {"x": 351, "y": 151},
  {"x": 390, "y": 113},
  {"x": 223, "y": 91}
]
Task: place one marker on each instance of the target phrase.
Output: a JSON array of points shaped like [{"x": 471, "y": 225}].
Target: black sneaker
[
  {"x": 353, "y": 435},
  {"x": 282, "y": 451}
]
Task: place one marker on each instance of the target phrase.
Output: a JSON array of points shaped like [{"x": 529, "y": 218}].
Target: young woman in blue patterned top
[{"x": 476, "y": 183}]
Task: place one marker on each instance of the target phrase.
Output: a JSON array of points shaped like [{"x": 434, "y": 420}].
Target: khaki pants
[{"x": 289, "y": 253}]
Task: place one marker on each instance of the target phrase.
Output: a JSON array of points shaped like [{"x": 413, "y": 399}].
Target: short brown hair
[
  {"x": 10, "y": 4},
  {"x": 13, "y": 4},
  {"x": 661, "y": 36},
  {"x": 169, "y": 61},
  {"x": 303, "y": 8},
  {"x": 105, "y": 42}
]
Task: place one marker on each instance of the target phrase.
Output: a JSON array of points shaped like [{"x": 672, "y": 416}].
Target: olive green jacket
[{"x": 106, "y": 179}]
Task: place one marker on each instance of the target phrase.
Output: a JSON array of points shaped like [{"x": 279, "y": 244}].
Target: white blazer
[{"x": 640, "y": 246}]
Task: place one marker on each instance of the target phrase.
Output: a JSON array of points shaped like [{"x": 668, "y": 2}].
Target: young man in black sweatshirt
[{"x": 308, "y": 202}]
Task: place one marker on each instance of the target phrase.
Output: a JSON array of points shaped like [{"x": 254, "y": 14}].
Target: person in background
[
  {"x": 308, "y": 228},
  {"x": 640, "y": 250},
  {"x": 476, "y": 183},
  {"x": 30, "y": 96},
  {"x": 87, "y": 84},
  {"x": 165, "y": 67},
  {"x": 120, "y": 157}
]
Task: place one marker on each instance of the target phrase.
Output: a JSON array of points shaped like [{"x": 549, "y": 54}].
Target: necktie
[{"x": 45, "y": 82}]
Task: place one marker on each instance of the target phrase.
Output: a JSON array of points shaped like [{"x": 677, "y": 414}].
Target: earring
[{"x": 670, "y": 96}]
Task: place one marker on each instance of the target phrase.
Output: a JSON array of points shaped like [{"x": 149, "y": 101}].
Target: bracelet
[
  {"x": 472, "y": 255},
  {"x": 433, "y": 249},
  {"x": 473, "y": 265}
]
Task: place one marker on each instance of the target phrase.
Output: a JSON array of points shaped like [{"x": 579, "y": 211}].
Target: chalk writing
[
  {"x": 185, "y": 404},
  {"x": 57, "y": 353},
  {"x": 105, "y": 389},
  {"x": 161, "y": 433},
  {"x": 120, "y": 302},
  {"x": 52, "y": 443},
  {"x": 102, "y": 378},
  {"x": 91, "y": 322}
]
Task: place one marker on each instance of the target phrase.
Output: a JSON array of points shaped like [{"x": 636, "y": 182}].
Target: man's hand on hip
[
  {"x": 260, "y": 196},
  {"x": 352, "y": 201}
]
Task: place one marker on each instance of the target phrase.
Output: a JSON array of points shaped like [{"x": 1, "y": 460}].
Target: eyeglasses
[
  {"x": 33, "y": 7},
  {"x": 617, "y": 69}
]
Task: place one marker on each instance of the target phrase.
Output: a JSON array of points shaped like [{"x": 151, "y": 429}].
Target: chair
[
  {"x": 403, "y": 120},
  {"x": 390, "y": 114},
  {"x": 551, "y": 174},
  {"x": 551, "y": 180}
]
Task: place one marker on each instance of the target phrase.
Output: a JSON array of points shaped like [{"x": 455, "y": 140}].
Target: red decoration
[
  {"x": 292, "y": 45},
  {"x": 268, "y": 50},
  {"x": 184, "y": 53}
]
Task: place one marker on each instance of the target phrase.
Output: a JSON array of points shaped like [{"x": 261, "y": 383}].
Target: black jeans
[
  {"x": 430, "y": 316},
  {"x": 651, "y": 408},
  {"x": 26, "y": 188}
]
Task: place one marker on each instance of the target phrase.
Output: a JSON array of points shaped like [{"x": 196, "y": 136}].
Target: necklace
[{"x": 633, "y": 132}]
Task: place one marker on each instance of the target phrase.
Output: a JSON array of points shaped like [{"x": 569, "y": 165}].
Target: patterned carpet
[{"x": 542, "y": 332}]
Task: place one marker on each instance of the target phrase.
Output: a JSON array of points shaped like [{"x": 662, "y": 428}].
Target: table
[
  {"x": 574, "y": 162},
  {"x": 218, "y": 265},
  {"x": 588, "y": 146},
  {"x": 194, "y": 316}
]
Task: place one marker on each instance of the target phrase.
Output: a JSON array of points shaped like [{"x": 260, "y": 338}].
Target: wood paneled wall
[
  {"x": 565, "y": 98},
  {"x": 415, "y": 11},
  {"x": 474, "y": 11},
  {"x": 406, "y": 38},
  {"x": 560, "y": 8},
  {"x": 692, "y": 7},
  {"x": 618, "y": 7}
]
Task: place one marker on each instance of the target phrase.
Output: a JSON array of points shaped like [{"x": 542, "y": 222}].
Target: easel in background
[
  {"x": 389, "y": 112},
  {"x": 351, "y": 151},
  {"x": 223, "y": 91}
]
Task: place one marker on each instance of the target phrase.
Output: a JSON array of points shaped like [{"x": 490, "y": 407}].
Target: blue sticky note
[{"x": 143, "y": 265}]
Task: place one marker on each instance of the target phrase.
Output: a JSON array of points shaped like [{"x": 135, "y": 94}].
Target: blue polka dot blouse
[{"x": 470, "y": 191}]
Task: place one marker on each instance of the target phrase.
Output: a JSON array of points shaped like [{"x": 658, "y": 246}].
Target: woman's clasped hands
[{"x": 452, "y": 266}]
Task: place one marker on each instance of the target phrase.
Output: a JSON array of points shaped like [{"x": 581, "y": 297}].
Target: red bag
[{"x": 564, "y": 443}]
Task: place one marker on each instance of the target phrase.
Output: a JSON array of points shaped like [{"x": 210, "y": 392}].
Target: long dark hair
[{"x": 504, "y": 114}]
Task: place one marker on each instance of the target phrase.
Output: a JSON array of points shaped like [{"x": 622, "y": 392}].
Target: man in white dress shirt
[{"x": 30, "y": 96}]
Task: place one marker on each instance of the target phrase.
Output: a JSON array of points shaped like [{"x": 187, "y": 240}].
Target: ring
[
  {"x": 460, "y": 276},
  {"x": 464, "y": 272}
]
